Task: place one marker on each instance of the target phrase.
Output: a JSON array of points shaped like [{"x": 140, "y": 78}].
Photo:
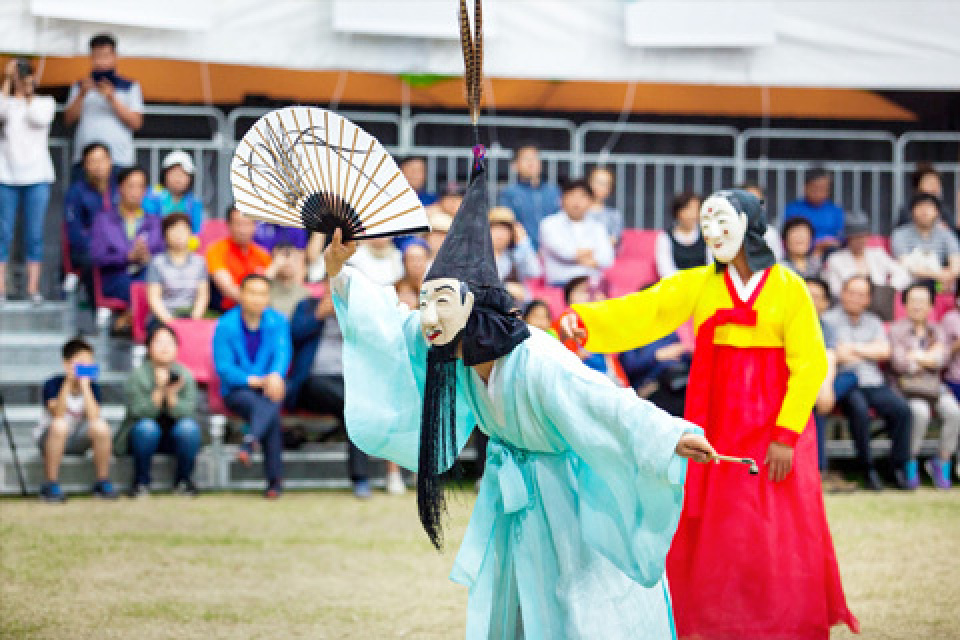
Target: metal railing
[
  {"x": 858, "y": 184},
  {"x": 651, "y": 162}
]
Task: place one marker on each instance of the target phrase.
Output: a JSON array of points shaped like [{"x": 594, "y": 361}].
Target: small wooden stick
[{"x": 754, "y": 469}]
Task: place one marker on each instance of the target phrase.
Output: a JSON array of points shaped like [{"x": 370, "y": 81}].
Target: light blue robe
[{"x": 582, "y": 490}]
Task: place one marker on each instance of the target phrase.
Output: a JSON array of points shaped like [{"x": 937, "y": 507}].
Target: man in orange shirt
[{"x": 233, "y": 258}]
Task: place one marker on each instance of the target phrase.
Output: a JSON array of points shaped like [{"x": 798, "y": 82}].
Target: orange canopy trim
[{"x": 177, "y": 81}]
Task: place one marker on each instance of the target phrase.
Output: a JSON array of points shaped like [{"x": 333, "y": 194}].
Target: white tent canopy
[{"x": 874, "y": 44}]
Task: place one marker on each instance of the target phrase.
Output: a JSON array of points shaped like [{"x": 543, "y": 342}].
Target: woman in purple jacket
[{"x": 123, "y": 241}]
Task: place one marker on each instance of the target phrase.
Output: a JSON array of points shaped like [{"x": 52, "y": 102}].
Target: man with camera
[
  {"x": 71, "y": 422},
  {"x": 105, "y": 106}
]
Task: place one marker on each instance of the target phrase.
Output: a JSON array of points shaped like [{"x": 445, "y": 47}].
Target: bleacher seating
[
  {"x": 102, "y": 301},
  {"x": 139, "y": 311},
  {"x": 212, "y": 230}
]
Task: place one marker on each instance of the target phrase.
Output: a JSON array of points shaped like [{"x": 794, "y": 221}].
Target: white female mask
[
  {"x": 723, "y": 228},
  {"x": 445, "y": 306}
]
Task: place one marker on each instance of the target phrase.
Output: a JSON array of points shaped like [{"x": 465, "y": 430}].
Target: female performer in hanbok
[
  {"x": 583, "y": 483},
  {"x": 753, "y": 557}
]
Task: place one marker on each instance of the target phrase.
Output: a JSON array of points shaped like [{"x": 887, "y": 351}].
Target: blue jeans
[
  {"x": 34, "y": 199},
  {"x": 148, "y": 438},
  {"x": 263, "y": 415}
]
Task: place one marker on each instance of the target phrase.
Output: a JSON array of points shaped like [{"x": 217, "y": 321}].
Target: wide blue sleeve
[
  {"x": 230, "y": 374},
  {"x": 384, "y": 368},
  {"x": 629, "y": 478}
]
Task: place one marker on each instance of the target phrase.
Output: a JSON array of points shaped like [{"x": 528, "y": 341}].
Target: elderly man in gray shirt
[
  {"x": 861, "y": 345},
  {"x": 926, "y": 247}
]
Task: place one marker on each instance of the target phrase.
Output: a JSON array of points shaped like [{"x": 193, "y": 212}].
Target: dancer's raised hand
[{"x": 337, "y": 253}]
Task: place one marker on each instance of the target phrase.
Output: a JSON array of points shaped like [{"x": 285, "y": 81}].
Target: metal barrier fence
[{"x": 651, "y": 162}]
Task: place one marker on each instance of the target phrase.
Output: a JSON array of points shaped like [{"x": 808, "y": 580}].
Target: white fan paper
[{"x": 311, "y": 168}]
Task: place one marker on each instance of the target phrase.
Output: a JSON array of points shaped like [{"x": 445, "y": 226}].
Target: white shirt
[
  {"x": 24, "y": 140},
  {"x": 385, "y": 269},
  {"x": 878, "y": 265},
  {"x": 561, "y": 238}
]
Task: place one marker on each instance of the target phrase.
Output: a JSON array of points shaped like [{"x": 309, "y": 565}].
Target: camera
[{"x": 24, "y": 68}]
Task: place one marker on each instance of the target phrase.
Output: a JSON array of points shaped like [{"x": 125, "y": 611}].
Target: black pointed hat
[{"x": 467, "y": 251}]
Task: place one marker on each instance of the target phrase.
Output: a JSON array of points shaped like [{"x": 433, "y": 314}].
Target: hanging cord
[{"x": 618, "y": 128}]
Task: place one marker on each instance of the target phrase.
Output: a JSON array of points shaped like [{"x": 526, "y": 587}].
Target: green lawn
[{"x": 322, "y": 565}]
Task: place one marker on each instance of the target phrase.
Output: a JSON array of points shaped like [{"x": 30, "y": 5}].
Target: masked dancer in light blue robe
[{"x": 583, "y": 484}]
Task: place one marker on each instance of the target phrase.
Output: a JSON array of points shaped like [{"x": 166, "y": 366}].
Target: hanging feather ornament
[
  {"x": 472, "y": 45},
  {"x": 311, "y": 168}
]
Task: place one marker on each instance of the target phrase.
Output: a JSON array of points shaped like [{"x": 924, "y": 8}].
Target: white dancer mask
[
  {"x": 444, "y": 310},
  {"x": 723, "y": 228}
]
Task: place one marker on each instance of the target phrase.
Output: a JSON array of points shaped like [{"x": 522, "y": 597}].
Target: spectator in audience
[
  {"x": 380, "y": 260},
  {"x": 416, "y": 260},
  {"x": 315, "y": 381},
  {"x": 920, "y": 352},
  {"x": 175, "y": 194},
  {"x": 925, "y": 179},
  {"x": 601, "y": 181},
  {"x": 105, "y": 106},
  {"x": 832, "y": 481},
  {"x": 414, "y": 169},
  {"x": 536, "y": 313},
  {"x": 251, "y": 353},
  {"x": 856, "y": 258},
  {"x": 530, "y": 199},
  {"x": 950, "y": 323},
  {"x": 71, "y": 422},
  {"x": 578, "y": 291},
  {"x": 26, "y": 169},
  {"x": 861, "y": 345},
  {"x": 94, "y": 192},
  {"x": 572, "y": 243},
  {"x": 233, "y": 258},
  {"x": 449, "y": 201},
  {"x": 161, "y": 400},
  {"x": 177, "y": 284},
  {"x": 407, "y": 295},
  {"x": 659, "y": 372},
  {"x": 287, "y": 274},
  {"x": 124, "y": 241},
  {"x": 439, "y": 227},
  {"x": 772, "y": 236},
  {"x": 682, "y": 247},
  {"x": 798, "y": 248},
  {"x": 928, "y": 250},
  {"x": 269, "y": 236},
  {"x": 516, "y": 258},
  {"x": 824, "y": 216}
]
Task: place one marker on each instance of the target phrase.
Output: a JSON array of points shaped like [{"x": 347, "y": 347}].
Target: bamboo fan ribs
[{"x": 311, "y": 168}]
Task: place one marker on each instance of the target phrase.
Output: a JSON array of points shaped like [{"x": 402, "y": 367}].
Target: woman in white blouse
[
  {"x": 516, "y": 258},
  {"x": 26, "y": 169},
  {"x": 682, "y": 247},
  {"x": 856, "y": 258}
]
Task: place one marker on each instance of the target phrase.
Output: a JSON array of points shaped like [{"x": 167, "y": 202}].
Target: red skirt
[{"x": 752, "y": 558}]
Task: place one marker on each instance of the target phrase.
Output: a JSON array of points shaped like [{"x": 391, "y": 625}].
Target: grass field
[{"x": 322, "y": 565}]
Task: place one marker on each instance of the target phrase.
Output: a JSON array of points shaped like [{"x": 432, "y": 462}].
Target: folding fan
[{"x": 308, "y": 167}]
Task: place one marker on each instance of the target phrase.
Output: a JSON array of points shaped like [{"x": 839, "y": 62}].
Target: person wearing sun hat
[
  {"x": 516, "y": 258},
  {"x": 175, "y": 193}
]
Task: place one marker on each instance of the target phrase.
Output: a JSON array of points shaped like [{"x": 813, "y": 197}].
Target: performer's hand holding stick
[{"x": 694, "y": 446}]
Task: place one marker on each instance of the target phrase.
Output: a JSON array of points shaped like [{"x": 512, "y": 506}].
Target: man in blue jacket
[
  {"x": 530, "y": 199},
  {"x": 315, "y": 382},
  {"x": 251, "y": 352}
]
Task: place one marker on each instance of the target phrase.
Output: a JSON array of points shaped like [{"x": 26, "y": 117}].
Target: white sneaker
[{"x": 395, "y": 484}]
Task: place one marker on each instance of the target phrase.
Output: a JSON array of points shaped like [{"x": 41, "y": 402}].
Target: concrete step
[
  {"x": 23, "y": 419},
  {"x": 21, "y": 316}
]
